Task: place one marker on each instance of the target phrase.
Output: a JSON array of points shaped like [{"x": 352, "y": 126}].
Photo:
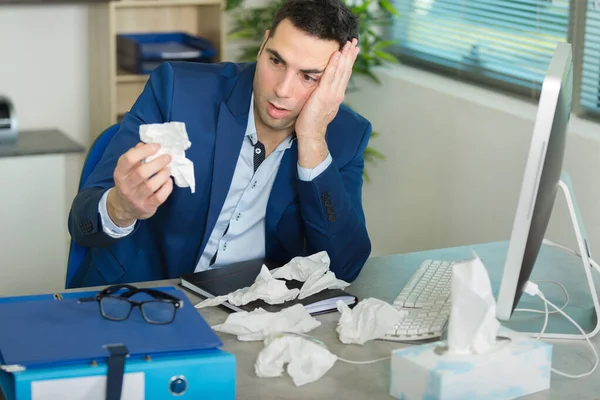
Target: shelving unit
[{"x": 113, "y": 91}]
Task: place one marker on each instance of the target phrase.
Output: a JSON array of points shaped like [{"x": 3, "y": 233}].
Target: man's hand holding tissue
[{"x": 140, "y": 188}]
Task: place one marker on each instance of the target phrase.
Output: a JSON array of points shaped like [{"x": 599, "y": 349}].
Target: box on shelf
[{"x": 140, "y": 53}]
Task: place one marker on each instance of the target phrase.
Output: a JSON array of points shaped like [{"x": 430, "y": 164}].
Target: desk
[
  {"x": 383, "y": 277},
  {"x": 39, "y": 142},
  {"x": 349, "y": 381}
]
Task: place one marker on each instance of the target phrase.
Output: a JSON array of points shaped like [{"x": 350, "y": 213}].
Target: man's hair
[{"x": 323, "y": 19}]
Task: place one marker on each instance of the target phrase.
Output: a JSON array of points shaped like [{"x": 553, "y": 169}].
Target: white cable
[
  {"x": 533, "y": 290},
  {"x": 551, "y": 243},
  {"x": 363, "y": 362},
  {"x": 317, "y": 341},
  {"x": 593, "y": 264},
  {"x": 560, "y": 246},
  {"x": 545, "y": 305},
  {"x": 545, "y": 321}
]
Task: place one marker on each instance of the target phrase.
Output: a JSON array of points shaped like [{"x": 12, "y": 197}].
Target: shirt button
[
  {"x": 257, "y": 150},
  {"x": 224, "y": 246}
]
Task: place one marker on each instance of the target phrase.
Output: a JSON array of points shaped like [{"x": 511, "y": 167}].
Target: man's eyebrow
[{"x": 275, "y": 54}]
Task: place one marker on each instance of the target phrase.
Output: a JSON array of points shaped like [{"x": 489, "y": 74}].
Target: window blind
[
  {"x": 510, "y": 41},
  {"x": 590, "y": 74}
]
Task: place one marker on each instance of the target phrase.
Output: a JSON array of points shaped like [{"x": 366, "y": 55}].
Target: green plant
[{"x": 249, "y": 26}]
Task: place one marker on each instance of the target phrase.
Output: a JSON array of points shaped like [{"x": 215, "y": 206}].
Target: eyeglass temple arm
[
  {"x": 110, "y": 290},
  {"x": 153, "y": 293}
]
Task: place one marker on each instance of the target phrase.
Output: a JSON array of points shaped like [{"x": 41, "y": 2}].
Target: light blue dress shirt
[{"x": 244, "y": 208}]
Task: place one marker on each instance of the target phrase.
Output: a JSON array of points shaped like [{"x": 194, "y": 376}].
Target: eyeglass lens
[
  {"x": 115, "y": 308},
  {"x": 158, "y": 312}
]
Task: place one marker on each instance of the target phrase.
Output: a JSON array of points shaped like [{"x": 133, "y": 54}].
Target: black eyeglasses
[{"x": 117, "y": 307}]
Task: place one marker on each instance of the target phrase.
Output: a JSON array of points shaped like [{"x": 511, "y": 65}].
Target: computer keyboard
[{"x": 424, "y": 302}]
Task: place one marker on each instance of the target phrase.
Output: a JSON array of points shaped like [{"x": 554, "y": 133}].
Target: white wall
[
  {"x": 440, "y": 138},
  {"x": 44, "y": 71},
  {"x": 455, "y": 156}
]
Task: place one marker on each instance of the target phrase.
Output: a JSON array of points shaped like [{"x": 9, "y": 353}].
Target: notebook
[
  {"x": 224, "y": 280},
  {"x": 40, "y": 330}
]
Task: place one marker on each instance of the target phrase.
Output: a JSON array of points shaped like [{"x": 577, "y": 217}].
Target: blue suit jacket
[{"x": 213, "y": 100}]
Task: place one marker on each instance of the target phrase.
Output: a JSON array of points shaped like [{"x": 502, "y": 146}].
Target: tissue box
[{"x": 514, "y": 369}]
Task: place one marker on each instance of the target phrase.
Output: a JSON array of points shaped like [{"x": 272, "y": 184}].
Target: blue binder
[{"x": 55, "y": 337}]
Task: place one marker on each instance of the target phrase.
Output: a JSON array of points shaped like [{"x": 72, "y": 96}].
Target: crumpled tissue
[
  {"x": 265, "y": 287},
  {"x": 260, "y": 324},
  {"x": 473, "y": 325},
  {"x": 313, "y": 271},
  {"x": 307, "y": 361},
  {"x": 370, "y": 319},
  {"x": 173, "y": 140}
]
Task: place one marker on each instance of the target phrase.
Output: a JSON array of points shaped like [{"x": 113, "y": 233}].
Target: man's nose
[{"x": 285, "y": 86}]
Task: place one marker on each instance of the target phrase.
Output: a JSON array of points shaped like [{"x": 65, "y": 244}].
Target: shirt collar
[{"x": 251, "y": 129}]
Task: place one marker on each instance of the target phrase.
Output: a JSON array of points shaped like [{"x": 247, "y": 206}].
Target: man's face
[{"x": 289, "y": 67}]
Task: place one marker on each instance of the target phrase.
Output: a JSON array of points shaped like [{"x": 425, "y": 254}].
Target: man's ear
[{"x": 262, "y": 46}]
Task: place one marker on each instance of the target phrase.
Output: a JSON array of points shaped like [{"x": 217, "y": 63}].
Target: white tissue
[
  {"x": 307, "y": 361},
  {"x": 313, "y": 271},
  {"x": 173, "y": 140},
  {"x": 473, "y": 325},
  {"x": 265, "y": 287},
  {"x": 260, "y": 324},
  {"x": 369, "y": 319}
]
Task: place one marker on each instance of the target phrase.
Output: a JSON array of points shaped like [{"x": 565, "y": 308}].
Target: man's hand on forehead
[{"x": 324, "y": 102}]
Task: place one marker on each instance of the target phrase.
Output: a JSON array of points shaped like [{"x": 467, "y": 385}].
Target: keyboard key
[
  {"x": 424, "y": 303},
  {"x": 426, "y": 300},
  {"x": 423, "y": 329}
]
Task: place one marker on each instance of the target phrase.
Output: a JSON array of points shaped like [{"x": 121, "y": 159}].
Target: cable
[
  {"x": 546, "y": 306},
  {"x": 545, "y": 321},
  {"x": 568, "y": 250},
  {"x": 320, "y": 343},
  {"x": 363, "y": 362},
  {"x": 560, "y": 246},
  {"x": 533, "y": 290}
]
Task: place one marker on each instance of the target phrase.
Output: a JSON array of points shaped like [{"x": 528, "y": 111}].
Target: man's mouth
[{"x": 279, "y": 108}]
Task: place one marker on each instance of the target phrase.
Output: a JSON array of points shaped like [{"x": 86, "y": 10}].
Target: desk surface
[
  {"x": 39, "y": 142},
  {"x": 350, "y": 381},
  {"x": 382, "y": 278}
]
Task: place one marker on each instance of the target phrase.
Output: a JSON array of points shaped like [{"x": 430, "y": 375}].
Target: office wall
[
  {"x": 455, "y": 156},
  {"x": 44, "y": 70},
  {"x": 440, "y": 137}
]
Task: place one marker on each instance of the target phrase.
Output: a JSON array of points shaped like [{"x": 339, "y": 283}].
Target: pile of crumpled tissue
[
  {"x": 284, "y": 332},
  {"x": 271, "y": 288}
]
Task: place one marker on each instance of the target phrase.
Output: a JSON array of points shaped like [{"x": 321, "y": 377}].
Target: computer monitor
[{"x": 540, "y": 181}]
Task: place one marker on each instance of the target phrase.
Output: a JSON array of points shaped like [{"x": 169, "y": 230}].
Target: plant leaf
[
  {"x": 362, "y": 8},
  {"x": 387, "y": 6},
  {"x": 385, "y": 56}
]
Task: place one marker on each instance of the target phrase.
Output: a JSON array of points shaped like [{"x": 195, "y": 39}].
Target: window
[
  {"x": 590, "y": 74},
  {"x": 506, "y": 43}
]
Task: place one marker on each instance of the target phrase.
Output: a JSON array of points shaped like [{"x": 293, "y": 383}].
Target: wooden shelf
[
  {"x": 48, "y": 2},
  {"x": 113, "y": 91},
  {"x": 164, "y": 3},
  {"x": 125, "y": 76}
]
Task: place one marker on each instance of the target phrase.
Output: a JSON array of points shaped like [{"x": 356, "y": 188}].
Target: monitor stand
[{"x": 558, "y": 326}]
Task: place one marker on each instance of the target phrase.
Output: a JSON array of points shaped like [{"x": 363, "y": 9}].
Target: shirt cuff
[
  {"x": 108, "y": 226},
  {"x": 306, "y": 174}
]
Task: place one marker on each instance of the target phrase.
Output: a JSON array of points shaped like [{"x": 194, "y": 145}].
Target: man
[{"x": 277, "y": 161}]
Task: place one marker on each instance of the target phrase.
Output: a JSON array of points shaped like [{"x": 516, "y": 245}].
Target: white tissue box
[{"x": 517, "y": 368}]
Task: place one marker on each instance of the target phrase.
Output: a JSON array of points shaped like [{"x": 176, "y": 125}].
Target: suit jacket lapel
[{"x": 231, "y": 129}]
